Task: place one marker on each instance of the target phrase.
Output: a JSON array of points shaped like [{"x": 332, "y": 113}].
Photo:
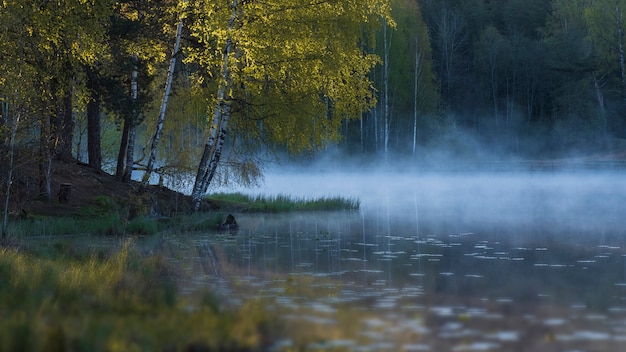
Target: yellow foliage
[{"x": 299, "y": 67}]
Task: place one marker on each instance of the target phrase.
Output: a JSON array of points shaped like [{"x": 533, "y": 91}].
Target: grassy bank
[
  {"x": 281, "y": 203},
  {"x": 112, "y": 224},
  {"x": 120, "y": 301},
  {"x": 106, "y": 217}
]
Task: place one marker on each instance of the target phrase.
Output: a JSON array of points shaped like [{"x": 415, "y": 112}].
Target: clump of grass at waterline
[
  {"x": 281, "y": 203},
  {"x": 120, "y": 302}
]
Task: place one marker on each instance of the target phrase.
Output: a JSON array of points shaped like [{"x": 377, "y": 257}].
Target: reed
[
  {"x": 107, "y": 224},
  {"x": 282, "y": 203}
]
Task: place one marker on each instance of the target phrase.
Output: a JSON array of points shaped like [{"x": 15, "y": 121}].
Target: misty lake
[{"x": 431, "y": 262}]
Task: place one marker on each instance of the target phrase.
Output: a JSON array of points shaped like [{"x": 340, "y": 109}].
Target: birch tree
[
  {"x": 282, "y": 72},
  {"x": 138, "y": 50},
  {"x": 417, "y": 70},
  {"x": 605, "y": 20},
  {"x": 411, "y": 78},
  {"x": 166, "y": 94},
  {"x": 386, "y": 114}
]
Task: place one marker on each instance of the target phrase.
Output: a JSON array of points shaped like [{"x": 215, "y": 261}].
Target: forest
[
  {"x": 209, "y": 90},
  {"x": 480, "y": 79}
]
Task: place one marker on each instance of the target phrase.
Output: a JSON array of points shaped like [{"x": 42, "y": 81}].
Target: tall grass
[
  {"x": 123, "y": 302},
  {"x": 104, "y": 218},
  {"x": 108, "y": 224},
  {"x": 282, "y": 203},
  {"x": 111, "y": 224}
]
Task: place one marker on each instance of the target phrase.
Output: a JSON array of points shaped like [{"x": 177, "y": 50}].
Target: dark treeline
[{"x": 523, "y": 78}]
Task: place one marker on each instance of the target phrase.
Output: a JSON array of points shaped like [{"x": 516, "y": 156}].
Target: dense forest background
[
  {"x": 500, "y": 79},
  {"x": 470, "y": 79}
]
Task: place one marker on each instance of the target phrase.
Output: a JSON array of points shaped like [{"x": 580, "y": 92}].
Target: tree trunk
[
  {"x": 361, "y": 132},
  {"x": 5, "y": 220},
  {"x": 94, "y": 151},
  {"x": 63, "y": 130},
  {"x": 130, "y": 152},
  {"x": 132, "y": 126},
  {"x": 45, "y": 159},
  {"x": 417, "y": 72},
  {"x": 620, "y": 47},
  {"x": 121, "y": 156},
  {"x": 598, "y": 89},
  {"x": 212, "y": 153},
  {"x": 386, "y": 117},
  {"x": 5, "y": 112},
  {"x": 159, "y": 127},
  {"x": 215, "y": 143}
]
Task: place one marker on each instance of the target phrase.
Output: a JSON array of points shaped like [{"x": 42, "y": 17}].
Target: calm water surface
[{"x": 454, "y": 262}]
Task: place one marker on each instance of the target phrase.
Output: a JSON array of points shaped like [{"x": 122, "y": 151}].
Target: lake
[{"x": 432, "y": 262}]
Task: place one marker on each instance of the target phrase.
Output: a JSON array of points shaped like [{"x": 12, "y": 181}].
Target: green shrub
[
  {"x": 142, "y": 226},
  {"x": 102, "y": 206}
]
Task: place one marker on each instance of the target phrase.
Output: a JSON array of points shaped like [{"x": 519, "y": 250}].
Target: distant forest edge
[
  {"x": 499, "y": 79},
  {"x": 162, "y": 86}
]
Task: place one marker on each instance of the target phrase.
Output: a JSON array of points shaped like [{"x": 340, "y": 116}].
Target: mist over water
[{"x": 507, "y": 202}]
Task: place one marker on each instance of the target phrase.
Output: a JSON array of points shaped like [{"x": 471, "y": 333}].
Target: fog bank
[{"x": 468, "y": 201}]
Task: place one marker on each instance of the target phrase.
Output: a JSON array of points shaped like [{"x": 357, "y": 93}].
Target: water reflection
[{"x": 439, "y": 262}]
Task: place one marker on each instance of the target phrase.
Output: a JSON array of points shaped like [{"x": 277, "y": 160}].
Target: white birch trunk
[
  {"x": 361, "y": 130},
  {"x": 215, "y": 143},
  {"x": 598, "y": 89},
  {"x": 376, "y": 132},
  {"x": 386, "y": 117},
  {"x": 418, "y": 70},
  {"x": 166, "y": 94}
]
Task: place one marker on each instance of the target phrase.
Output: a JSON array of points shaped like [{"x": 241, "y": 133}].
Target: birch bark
[
  {"x": 417, "y": 73},
  {"x": 386, "y": 117},
  {"x": 159, "y": 127},
  {"x": 215, "y": 142}
]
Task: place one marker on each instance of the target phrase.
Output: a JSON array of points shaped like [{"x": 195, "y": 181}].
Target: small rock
[{"x": 230, "y": 223}]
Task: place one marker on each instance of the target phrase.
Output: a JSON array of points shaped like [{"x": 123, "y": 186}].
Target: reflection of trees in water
[
  {"x": 525, "y": 265},
  {"x": 538, "y": 283}
]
